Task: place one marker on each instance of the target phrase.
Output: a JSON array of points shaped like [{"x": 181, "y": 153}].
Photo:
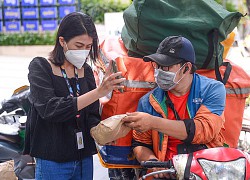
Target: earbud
[{"x": 186, "y": 69}]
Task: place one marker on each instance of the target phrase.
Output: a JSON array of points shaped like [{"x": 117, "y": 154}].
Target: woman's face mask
[
  {"x": 76, "y": 57},
  {"x": 166, "y": 79}
]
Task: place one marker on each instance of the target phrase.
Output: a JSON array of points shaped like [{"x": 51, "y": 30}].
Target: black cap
[{"x": 172, "y": 50}]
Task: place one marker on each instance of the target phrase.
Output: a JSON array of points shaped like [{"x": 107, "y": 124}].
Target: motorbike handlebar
[
  {"x": 18, "y": 100},
  {"x": 8, "y": 107},
  {"x": 157, "y": 164}
]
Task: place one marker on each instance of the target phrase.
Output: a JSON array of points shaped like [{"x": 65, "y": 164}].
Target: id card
[{"x": 79, "y": 139}]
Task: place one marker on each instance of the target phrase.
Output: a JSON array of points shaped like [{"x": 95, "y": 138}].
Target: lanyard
[
  {"x": 71, "y": 89},
  {"x": 68, "y": 84}
]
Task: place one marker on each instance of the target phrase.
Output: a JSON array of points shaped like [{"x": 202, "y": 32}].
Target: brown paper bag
[
  {"x": 110, "y": 129},
  {"x": 7, "y": 170}
]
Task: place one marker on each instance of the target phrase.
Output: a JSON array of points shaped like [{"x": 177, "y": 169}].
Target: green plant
[
  {"x": 229, "y": 5},
  {"x": 27, "y": 39},
  {"x": 97, "y": 8}
]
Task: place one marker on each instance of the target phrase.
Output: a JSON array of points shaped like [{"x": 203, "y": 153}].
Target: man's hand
[
  {"x": 139, "y": 121},
  {"x": 163, "y": 175}
]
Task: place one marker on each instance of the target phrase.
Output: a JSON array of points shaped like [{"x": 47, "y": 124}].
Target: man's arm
[{"x": 142, "y": 122}]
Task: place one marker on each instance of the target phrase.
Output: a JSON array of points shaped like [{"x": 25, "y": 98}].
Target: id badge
[{"x": 79, "y": 139}]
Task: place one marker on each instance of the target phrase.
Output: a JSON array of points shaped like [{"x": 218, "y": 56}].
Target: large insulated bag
[
  {"x": 204, "y": 22},
  {"x": 139, "y": 80},
  {"x": 237, "y": 89}
]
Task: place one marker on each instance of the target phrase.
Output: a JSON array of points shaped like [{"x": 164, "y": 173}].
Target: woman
[{"x": 64, "y": 103}]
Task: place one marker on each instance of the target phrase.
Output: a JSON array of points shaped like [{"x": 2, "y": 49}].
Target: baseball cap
[{"x": 173, "y": 50}]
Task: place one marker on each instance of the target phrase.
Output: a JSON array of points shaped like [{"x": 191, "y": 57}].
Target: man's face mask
[
  {"x": 76, "y": 57},
  {"x": 166, "y": 79}
]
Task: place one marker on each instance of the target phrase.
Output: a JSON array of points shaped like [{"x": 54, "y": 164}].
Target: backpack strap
[
  {"x": 170, "y": 104},
  {"x": 213, "y": 40}
]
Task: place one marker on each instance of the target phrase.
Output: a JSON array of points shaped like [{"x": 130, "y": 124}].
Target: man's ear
[
  {"x": 186, "y": 69},
  {"x": 61, "y": 41}
]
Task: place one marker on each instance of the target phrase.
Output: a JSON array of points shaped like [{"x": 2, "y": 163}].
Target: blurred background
[{"x": 27, "y": 29}]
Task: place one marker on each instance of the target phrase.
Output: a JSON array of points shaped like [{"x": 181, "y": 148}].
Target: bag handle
[{"x": 213, "y": 40}]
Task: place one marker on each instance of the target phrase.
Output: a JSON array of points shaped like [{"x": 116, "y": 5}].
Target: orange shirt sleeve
[
  {"x": 208, "y": 127},
  {"x": 145, "y": 137}
]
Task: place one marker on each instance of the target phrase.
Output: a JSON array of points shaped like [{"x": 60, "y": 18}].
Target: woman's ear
[{"x": 61, "y": 41}]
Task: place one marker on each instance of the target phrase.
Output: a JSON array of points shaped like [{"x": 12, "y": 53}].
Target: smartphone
[{"x": 115, "y": 69}]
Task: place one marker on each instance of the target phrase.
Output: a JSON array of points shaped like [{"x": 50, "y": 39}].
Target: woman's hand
[{"x": 110, "y": 82}]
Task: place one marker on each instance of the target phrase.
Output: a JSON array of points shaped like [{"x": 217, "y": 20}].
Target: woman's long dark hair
[{"x": 74, "y": 24}]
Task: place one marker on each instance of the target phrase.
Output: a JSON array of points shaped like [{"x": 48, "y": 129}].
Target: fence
[{"x": 34, "y": 15}]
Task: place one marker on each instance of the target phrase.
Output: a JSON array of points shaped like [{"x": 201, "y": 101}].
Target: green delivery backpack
[{"x": 204, "y": 22}]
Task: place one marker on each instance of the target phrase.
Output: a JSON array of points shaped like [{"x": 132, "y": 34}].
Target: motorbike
[
  {"x": 13, "y": 115},
  {"x": 208, "y": 164}
]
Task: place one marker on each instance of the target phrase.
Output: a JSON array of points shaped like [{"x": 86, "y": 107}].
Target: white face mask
[
  {"x": 166, "y": 79},
  {"x": 77, "y": 57}
]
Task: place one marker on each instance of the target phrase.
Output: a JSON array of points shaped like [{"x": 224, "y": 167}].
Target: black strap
[
  {"x": 171, "y": 105},
  {"x": 226, "y": 73},
  {"x": 213, "y": 40},
  {"x": 210, "y": 53},
  {"x": 217, "y": 67},
  {"x": 188, "y": 166}
]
